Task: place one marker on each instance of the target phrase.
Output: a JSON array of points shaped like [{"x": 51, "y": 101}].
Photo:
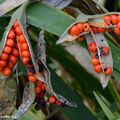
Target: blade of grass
[{"x": 106, "y": 110}]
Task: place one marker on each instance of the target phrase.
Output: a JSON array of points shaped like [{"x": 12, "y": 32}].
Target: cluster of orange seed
[
  {"x": 78, "y": 29},
  {"x": 111, "y": 21},
  {"x": 95, "y": 58},
  {"x": 113, "y": 24},
  {"x": 9, "y": 55}
]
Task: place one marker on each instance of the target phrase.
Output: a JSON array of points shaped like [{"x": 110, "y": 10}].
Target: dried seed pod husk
[
  {"x": 47, "y": 78},
  {"x": 98, "y": 20},
  {"x": 27, "y": 100}
]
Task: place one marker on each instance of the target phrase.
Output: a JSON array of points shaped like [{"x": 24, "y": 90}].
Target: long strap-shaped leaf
[
  {"x": 8, "y": 5},
  {"x": 106, "y": 110}
]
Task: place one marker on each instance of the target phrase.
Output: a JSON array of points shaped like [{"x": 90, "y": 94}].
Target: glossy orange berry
[
  {"x": 114, "y": 19},
  {"x": 74, "y": 31},
  {"x": 92, "y": 47},
  {"x": 11, "y": 34},
  {"x": 104, "y": 50},
  {"x": 37, "y": 90},
  {"x": 32, "y": 78},
  {"x": 107, "y": 20},
  {"x": 81, "y": 38},
  {"x": 4, "y": 56},
  {"x": 118, "y": 18},
  {"x": 98, "y": 68},
  {"x": 25, "y": 60},
  {"x": 80, "y": 27},
  {"x": 108, "y": 71},
  {"x": 86, "y": 27},
  {"x": 101, "y": 30},
  {"x": 21, "y": 39},
  {"x": 2, "y": 63},
  {"x": 95, "y": 61},
  {"x": 15, "y": 24},
  {"x": 52, "y": 99},
  {"x": 24, "y": 46},
  {"x": 13, "y": 59},
  {"x": 18, "y": 30},
  {"x": 94, "y": 29},
  {"x": 10, "y": 65},
  {"x": 25, "y": 54},
  {"x": 117, "y": 31},
  {"x": 15, "y": 52},
  {"x": 10, "y": 42},
  {"x": 6, "y": 71},
  {"x": 7, "y": 49}
]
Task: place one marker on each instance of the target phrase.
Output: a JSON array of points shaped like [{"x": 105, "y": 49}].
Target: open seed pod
[
  {"x": 41, "y": 59},
  {"x": 104, "y": 58}
]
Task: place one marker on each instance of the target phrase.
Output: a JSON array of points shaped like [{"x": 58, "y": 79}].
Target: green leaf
[
  {"x": 1, "y": 1},
  {"x": 72, "y": 113},
  {"x": 48, "y": 18},
  {"x": 106, "y": 110},
  {"x": 116, "y": 60}
]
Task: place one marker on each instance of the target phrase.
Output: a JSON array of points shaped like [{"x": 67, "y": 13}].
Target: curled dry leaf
[
  {"x": 8, "y": 5},
  {"x": 42, "y": 60},
  {"x": 73, "y": 11},
  {"x": 28, "y": 99},
  {"x": 57, "y": 3},
  {"x": 8, "y": 93}
]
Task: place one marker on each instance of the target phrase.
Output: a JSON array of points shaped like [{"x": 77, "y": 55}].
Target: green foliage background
[{"x": 70, "y": 78}]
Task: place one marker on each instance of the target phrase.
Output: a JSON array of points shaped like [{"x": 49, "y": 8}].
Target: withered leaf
[
  {"x": 8, "y": 94},
  {"x": 57, "y": 3},
  {"x": 28, "y": 99}
]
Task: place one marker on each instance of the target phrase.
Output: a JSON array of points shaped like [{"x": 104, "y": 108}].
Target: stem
[{"x": 114, "y": 93}]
